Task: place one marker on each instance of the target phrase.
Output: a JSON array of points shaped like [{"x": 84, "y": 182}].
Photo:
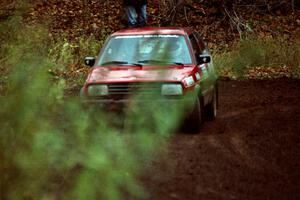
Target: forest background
[{"x": 52, "y": 148}]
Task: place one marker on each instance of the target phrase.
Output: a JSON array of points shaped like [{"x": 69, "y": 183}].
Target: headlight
[
  {"x": 97, "y": 90},
  {"x": 197, "y": 75},
  {"x": 189, "y": 81},
  {"x": 171, "y": 89}
]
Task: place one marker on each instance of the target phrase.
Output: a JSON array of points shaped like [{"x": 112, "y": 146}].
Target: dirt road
[{"x": 251, "y": 151}]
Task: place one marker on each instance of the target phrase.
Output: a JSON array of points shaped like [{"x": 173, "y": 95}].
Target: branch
[{"x": 238, "y": 22}]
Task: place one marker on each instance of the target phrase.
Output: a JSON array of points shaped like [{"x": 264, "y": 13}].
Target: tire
[
  {"x": 196, "y": 118},
  {"x": 212, "y": 107}
]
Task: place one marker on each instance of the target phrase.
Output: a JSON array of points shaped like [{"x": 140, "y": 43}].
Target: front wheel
[
  {"x": 211, "y": 108},
  {"x": 196, "y": 118}
]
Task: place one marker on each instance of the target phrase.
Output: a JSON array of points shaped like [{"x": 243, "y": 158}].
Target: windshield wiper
[
  {"x": 160, "y": 62},
  {"x": 177, "y": 63},
  {"x": 117, "y": 62}
]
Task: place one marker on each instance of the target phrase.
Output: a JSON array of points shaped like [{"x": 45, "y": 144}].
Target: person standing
[{"x": 136, "y": 12}]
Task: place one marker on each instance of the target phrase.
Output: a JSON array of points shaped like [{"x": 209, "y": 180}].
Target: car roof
[{"x": 154, "y": 31}]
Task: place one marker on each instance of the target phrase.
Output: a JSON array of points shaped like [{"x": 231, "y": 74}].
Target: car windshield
[{"x": 145, "y": 49}]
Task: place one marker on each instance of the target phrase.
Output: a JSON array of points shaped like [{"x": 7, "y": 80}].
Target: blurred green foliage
[{"x": 51, "y": 147}]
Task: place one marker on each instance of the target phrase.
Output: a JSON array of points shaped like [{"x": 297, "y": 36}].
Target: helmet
[{"x": 174, "y": 48}]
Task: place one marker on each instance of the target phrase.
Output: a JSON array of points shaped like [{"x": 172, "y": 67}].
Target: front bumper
[
  {"x": 130, "y": 101},
  {"x": 182, "y": 105}
]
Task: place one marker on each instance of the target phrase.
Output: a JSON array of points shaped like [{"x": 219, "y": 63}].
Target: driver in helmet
[{"x": 174, "y": 50}]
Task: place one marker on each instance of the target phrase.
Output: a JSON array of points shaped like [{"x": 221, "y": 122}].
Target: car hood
[{"x": 138, "y": 74}]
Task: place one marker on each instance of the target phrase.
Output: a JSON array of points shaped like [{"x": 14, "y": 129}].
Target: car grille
[{"x": 125, "y": 90}]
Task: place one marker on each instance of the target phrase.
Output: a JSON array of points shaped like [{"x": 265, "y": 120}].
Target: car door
[
  {"x": 199, "y": 49},
  {"x": 205, "y": 51}
]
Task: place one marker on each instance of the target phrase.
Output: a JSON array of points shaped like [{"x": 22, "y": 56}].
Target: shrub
[
  {"x": 271, "y": 53},
  {"x": 53, "y": 148}
]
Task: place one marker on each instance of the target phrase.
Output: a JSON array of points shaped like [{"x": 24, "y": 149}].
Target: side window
[
  {"x": 204, "y": 50},
  {"x": 201, "y": 43},
  {"x": 195, "y": 46}
]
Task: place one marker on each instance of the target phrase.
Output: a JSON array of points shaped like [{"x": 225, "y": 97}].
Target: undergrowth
[
  {"x": 67, "y": 58},
  {"x": 51, "y": 147},
  {"x": 275, "y": 57}
]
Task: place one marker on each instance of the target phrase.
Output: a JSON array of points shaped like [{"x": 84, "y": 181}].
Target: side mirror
[
  {"x": 89, "y": 61},
  {"x": 204, "y": 59}
]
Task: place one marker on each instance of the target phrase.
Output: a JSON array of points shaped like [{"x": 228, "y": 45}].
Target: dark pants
[{"x": 136, "y": 16}]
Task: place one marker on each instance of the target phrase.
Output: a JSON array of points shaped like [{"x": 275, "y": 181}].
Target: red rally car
[{"x": 164, "y": 64}]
